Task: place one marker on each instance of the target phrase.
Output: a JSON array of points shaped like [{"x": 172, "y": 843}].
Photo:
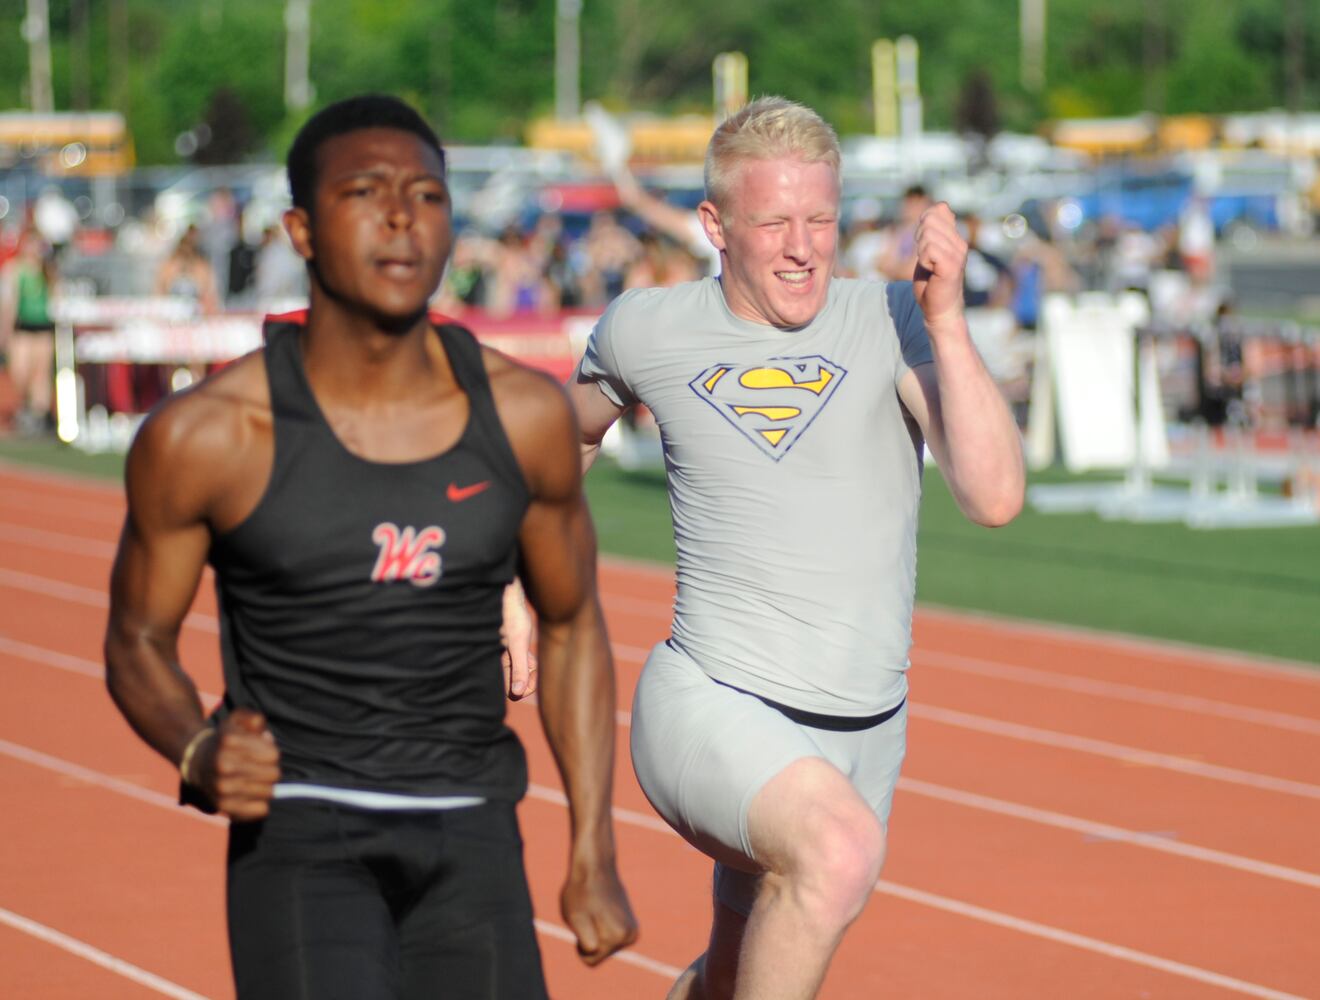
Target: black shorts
[{"x": 328, "y": 901}]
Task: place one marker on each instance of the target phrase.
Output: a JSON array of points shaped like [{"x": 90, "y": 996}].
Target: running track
[{"x": 1080, "y": 815}]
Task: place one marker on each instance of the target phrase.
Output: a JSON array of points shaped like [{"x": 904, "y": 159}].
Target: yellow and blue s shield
[{"x": 772, "y": 403}]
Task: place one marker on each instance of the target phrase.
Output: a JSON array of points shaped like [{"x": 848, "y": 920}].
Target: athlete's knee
[
  {"x": 819, "y": 840},
  {"x": 838, "y": 865}
]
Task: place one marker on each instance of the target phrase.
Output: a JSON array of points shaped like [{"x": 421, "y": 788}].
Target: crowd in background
[{"x": 224, "y": 259}]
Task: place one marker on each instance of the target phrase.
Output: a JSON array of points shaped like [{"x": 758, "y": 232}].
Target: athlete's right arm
[
  {"x": 175, "y": 466},
  {"x": 596, "y": 413},
  {"x": 557, "y": 550}
]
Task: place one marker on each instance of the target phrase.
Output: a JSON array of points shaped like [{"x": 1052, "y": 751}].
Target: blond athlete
[{"x": 770, "y": 727}]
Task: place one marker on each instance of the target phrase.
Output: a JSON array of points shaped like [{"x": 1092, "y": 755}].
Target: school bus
[{"x": 72, "y": 144}]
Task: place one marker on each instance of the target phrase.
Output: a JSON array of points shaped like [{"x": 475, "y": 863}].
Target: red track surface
[{"x": 1080, "y": 815}]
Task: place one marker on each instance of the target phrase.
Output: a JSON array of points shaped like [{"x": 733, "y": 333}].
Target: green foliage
[
  {"x": 481, "y": 70},
  {"x": 242, "y": 51},
  {"x": 1214, "y": 68}
]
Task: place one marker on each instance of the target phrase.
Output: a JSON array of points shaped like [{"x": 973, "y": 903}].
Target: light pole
[
  {"x": 1294, "y": 55},
  {"x": 298, "y": 89},
  {"x": 1031, "y": 24},
  {"x": 36, "y": 31},
  {"x": 568, "y": 59}
]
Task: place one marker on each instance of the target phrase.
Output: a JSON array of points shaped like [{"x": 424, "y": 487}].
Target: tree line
[{"x": 480, "y": 69}]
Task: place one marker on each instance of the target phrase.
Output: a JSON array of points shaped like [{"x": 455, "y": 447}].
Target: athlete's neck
[{"x": 352, "y": 356}]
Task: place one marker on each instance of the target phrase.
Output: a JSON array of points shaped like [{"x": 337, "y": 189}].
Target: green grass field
[{"x": 1251, "y": 590}]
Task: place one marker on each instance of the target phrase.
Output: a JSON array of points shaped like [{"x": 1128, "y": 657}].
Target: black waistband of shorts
[{"x": 817, "y": 720}]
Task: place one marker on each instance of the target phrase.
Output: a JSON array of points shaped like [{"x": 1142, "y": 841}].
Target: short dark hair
[{"x": 351, "y": 115}]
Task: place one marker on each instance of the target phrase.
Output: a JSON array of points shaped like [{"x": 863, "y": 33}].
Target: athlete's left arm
[
  {"x": 954, "y": 400},
  {"x": 576, "y": 686}
]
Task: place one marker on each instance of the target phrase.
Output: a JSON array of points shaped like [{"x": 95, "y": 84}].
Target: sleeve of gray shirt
[
  {"x": 601, "y": 362},
  {"x": 910, "y": 324}
]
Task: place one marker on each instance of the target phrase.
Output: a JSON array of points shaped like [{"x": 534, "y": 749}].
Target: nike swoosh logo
[{"x": 457, "y": 494}]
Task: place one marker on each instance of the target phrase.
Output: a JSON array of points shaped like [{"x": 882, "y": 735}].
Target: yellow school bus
[{"x": 72, "y": 143}]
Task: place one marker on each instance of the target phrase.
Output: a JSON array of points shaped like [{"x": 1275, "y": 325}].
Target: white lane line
[
  {"x": 914, "y": 895},
  {"x": 53, "y": 588},
  {"x": 100, "y": 513},
  {"x": 1116, "y": 751},
  {"x": 45, "y": 476},
  {"x": 30, "y": 583},
  {"x": 1107, "y": 832},
  {"x": 99, "y": 779},
  {"x": 630, "y": 957},
  {"x": 973, "y": 800},
  {"x": 630, "y": 654},
  {"x": 1081, "y": 941},
  {"x": 96, "y": 956},
  {"x": 638, "y": 605},
  {"x": 146, "y": 795},
  {"x": 629, "y": 816},
  {"x": 1186, "y": 654},
  {"x": 1110, "y": 689},
  {"x": 923, "y": 658},
  {"x": 50, "y": 658},
  {"x": 55, "y": 541},
  {"x": 63, "y": 542}
]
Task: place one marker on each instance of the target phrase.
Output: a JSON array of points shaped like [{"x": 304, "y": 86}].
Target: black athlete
[{"x": 365, "y": 487}]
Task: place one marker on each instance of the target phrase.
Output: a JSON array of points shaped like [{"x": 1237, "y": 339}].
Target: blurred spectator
[
  {"x": 660, "y": 264},
  {"x": 1135, "y": 255},
  {"x": 866, "y": 241},
  {"x": 987, "y": 279},
  {"x": 279, "y": 273},
  {"x": 548, "y": 246},
  {"x": 1196, "y": 241},
  {"x": 465, "y": 277},
  {"x": 681, "y": 225},
  {"x": 1097, "y": 254},
  {"x": 187, "y": 274},
  {"x": 27, "y": 333},
  {"x": 560, "y": 272},
  {"x": 609, "y": 250},
  {"x": 517, "y": 281},
  {"x": 217, "y": 237},
  {"x": 899, "y": 258},
  {"x": 55, "y": 217},
  {"x": 1038, "y": 268}
]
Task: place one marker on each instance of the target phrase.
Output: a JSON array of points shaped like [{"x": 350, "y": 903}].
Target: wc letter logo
[
  {"x": 771, "y": 404},
  {"x": 407, "y": 554}
]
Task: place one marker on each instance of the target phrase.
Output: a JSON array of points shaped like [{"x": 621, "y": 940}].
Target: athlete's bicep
[
  {"x": 558, "y": 551},
  {"x": 596, "y": 411},
  {"x": 919, "y": 392},
  {"x": 164, "y": 542},
  {"x": 556, "y": 539}
]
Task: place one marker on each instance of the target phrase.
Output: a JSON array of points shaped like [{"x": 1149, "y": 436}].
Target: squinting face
[
  {"x": 381, "y": 228},
  {"x": 779, "y": 233}
]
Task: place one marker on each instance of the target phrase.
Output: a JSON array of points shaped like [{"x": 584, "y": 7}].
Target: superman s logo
[{"x": 772, "y": 404}]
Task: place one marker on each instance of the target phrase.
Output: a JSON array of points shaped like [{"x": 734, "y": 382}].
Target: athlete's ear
[
  {"x": 298, "y": 224},
  {"x": 712, "y": 223}
]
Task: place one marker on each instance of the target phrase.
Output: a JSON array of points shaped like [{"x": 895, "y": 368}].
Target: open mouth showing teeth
[{"x": 794, "y": 277}]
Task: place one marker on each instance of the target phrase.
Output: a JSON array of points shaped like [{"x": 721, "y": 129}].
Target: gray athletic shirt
[{"x": 794, "y": 482}]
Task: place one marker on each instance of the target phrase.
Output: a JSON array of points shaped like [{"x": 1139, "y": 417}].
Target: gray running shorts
[{"x": 703, "y": 750}]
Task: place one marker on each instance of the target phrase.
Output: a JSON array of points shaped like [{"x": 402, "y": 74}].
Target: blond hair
[{"x": 768, "y": 128}]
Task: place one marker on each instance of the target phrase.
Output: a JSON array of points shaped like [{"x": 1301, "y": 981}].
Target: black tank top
[{"x": 360, "y": 603}]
